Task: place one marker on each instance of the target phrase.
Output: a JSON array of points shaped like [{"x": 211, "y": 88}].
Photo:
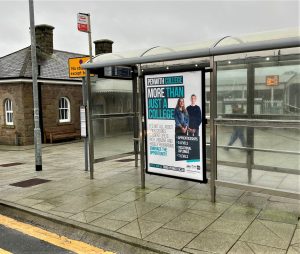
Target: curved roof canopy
[{"x": 222, "y": 46}]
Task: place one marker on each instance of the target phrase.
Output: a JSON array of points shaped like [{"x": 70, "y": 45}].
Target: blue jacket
[{"x": 181, "y": 118}]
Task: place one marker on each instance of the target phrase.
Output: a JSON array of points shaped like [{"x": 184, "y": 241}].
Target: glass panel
[
  {"x": 280, "y": 139},
  {"x": 231, "y": 90},
  {"x": 234, "y": 137},
  {"x": 112, "y": 136},
  {"x": 278, "y": 89},
  {"x": 274, "y": 160}
]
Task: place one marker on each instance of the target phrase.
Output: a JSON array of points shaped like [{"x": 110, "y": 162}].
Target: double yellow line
[
  {"x": 52, "y": 238},
  {"x": 4, "y": 251}
]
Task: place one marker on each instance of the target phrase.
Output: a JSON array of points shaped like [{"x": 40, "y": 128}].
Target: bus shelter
[{"x": 252, "y": 107}]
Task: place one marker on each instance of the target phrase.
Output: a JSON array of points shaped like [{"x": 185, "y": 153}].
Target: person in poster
[
  {"x": 181, "y": 118},
  {"x": 195, "y": 117}
]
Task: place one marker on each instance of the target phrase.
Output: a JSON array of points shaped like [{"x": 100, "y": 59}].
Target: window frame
[
  {"x": 64, "y": 107},
  {"x": 8, "y": 112}
]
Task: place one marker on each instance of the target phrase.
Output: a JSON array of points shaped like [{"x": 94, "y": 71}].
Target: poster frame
[{"x": 204, "y": 123}]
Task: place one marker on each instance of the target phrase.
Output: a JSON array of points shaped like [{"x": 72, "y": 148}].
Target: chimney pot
[{"x": 44, "y": 38}]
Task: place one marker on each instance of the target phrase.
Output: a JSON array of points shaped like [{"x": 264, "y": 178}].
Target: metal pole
[
  {"x": 90, "y": 38},
  {"x": 86, "y": 147},
  {"x": 213, "y": 129},
  {"x": 37, "y": 130},
  {"x": 90, "y": 126},
  {"x": 141, "y": 127},
  {"x": 250, "y": 112},
  {"x": 89, "y": 105},
  {"x": 135, "y": 118}
]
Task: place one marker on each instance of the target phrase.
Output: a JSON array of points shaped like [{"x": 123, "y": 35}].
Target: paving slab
[
  {"x": 162, "y": 214},
  {"x": 279, "y": 216},
  {"x": 106, "y": 206},
  {"x": 171, "y": 238},
  {"x": 189, "y": 222},
  {"x": 112, "y": 225},
  {"x": 86, "y": 217},
  {"x": 140, "y": 228},
  {"x": 208, "y": 206},
  {"x": 269, "y": 233},
  {"x": 229, "y": 226},
  {"x": 249, "y": 248},
  {"x": 212, "y": 241}
]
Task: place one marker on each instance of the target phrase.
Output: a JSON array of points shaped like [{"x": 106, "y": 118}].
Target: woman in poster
[{"x": 181, "y": 118}]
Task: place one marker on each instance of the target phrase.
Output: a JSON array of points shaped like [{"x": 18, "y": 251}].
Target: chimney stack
[
  {"x": 44, "y": 38},
  {"x": 103, "y": 46}
]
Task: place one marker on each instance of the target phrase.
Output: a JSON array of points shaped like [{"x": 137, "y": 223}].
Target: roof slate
[{"x": 18, "y": 64}]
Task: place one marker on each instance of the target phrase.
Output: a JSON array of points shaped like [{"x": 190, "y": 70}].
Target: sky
[{"x": 142, "y": 24}]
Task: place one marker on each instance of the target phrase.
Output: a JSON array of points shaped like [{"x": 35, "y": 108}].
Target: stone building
[{"x": 60, "y": 96}]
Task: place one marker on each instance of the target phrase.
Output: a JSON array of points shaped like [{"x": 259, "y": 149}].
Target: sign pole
[
  {"x": 84, "y": 25},
  {"x": 89, "y": 105},
  {"x": 37, "y": 130}
]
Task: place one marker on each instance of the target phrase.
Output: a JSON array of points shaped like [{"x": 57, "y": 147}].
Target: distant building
[{"x": 60, "y": 96}]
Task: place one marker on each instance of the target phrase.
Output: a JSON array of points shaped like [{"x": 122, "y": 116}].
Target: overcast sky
[{"x": 142, "y": 24}]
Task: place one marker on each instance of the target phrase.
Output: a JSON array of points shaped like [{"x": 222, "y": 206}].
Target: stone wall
[
  {"x": 51, "y": 93},
  {"x": 12, "y": 134},
  {"x": 22, "y": 132}
]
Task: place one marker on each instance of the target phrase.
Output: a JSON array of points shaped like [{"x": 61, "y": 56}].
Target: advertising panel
[{"x": 175, "y": 125}]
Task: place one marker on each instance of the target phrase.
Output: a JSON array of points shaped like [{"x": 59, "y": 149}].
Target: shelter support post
[
  {"x": 141, "y": 126},
  {"x": 90, "y": 125},
  {"x": 86, "y": 151},
  {"x": 250, "y": 112},
  {"x": 135, "y": 118},
  {"x": 213, "y": 128}
]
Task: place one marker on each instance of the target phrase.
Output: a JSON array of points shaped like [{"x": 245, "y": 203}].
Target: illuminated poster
[{"x": 175, "y": 137}]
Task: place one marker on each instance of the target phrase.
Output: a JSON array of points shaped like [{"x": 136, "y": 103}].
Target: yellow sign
[
  {"x": 272, "y": 80},
  {"x": 75, "y": 69}
]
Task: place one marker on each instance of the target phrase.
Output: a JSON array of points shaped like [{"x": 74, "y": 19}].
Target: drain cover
[
  {"x": 30, "y": 182},
  {"x": 125, "y": 160},
  {"x": 11, "y": 164}
]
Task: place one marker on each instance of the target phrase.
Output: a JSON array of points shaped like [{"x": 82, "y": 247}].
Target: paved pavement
[{"x": 172, "y": 213}]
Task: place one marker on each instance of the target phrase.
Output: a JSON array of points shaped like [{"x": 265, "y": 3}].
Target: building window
[
  {"x": 64, "y": 110},
  {"x": 9, "y": 120}
]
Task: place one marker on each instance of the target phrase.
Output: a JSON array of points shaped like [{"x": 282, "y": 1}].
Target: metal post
[
  {"x": 90, "y": 38},
  {"x": 135, "y": 118},
  {"x": 37, "y": 130},
  {"x": 90, "y": 125},
  {"x": 250, "y": 112},
  {"x": 141, "y": 126},
  {"x": 86, "y": 147},
  {"x": 213, "y": 128},
  {"x": 89, "y": 105}
]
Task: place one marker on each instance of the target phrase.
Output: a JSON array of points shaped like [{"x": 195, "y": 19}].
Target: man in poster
[{"x": 195, "y": 117}]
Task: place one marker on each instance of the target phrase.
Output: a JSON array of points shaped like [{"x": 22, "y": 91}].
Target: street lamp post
[{"x": 37, "y": 130}]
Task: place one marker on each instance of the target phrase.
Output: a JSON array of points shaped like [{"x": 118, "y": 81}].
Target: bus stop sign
[{"x": 83, "y": 22}]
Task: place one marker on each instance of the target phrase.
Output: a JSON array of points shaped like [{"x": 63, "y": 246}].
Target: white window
[
  {"x": 9, "y": 120},
  {"x": 64, "y": 110}
]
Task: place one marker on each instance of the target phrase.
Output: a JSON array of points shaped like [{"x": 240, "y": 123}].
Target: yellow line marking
[
  {"x": 60, "y": 241},
  {"x": 4, "y": 251}
]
